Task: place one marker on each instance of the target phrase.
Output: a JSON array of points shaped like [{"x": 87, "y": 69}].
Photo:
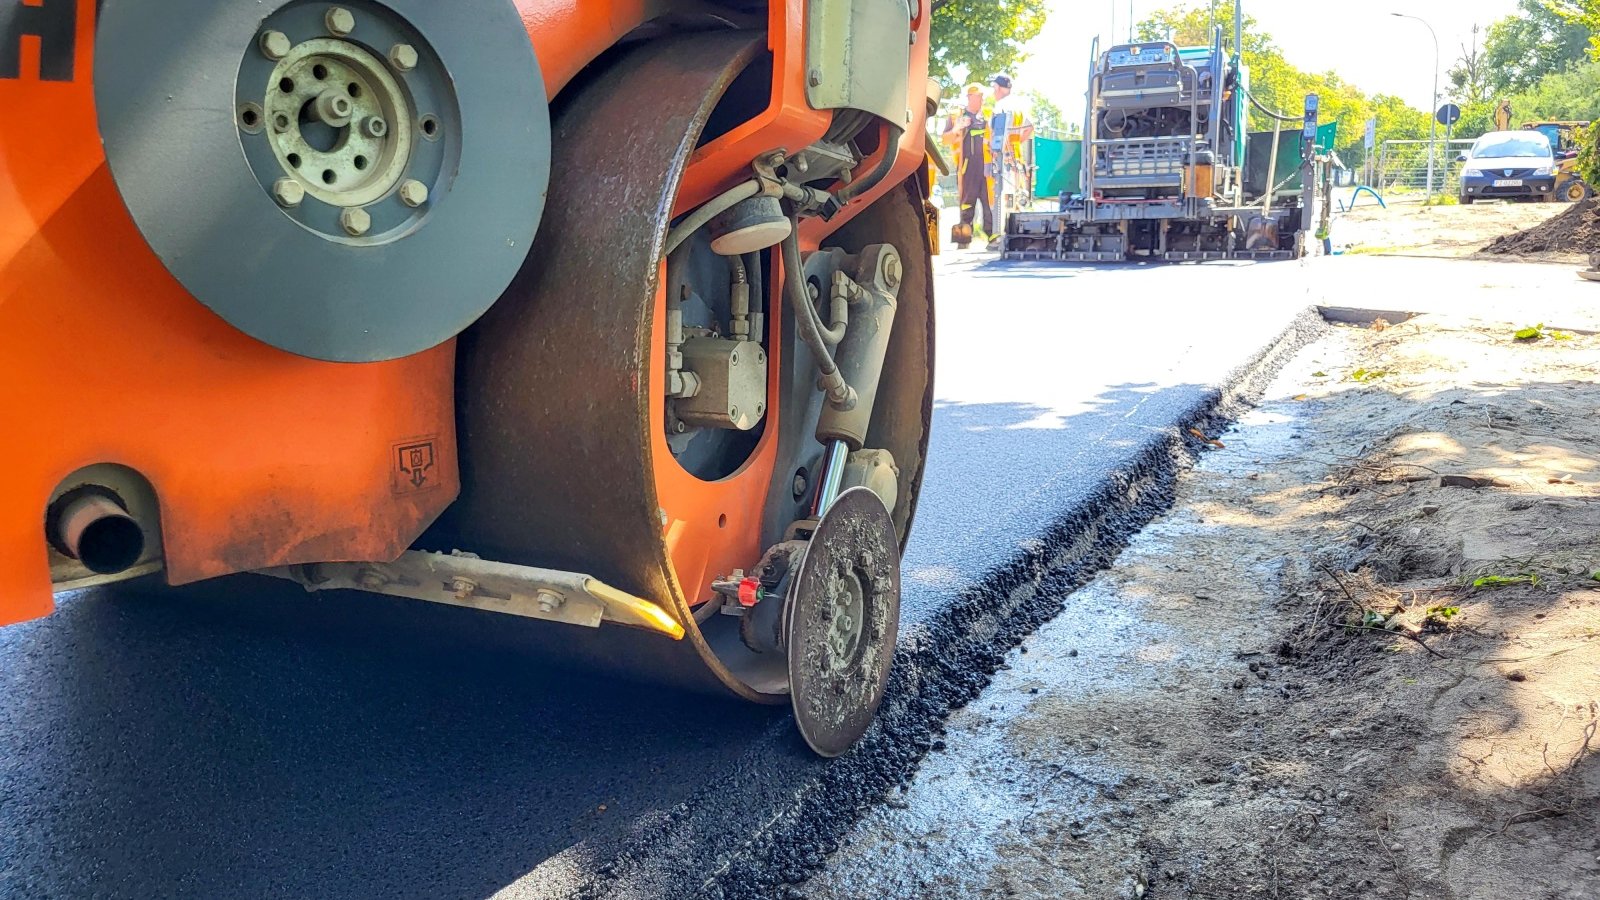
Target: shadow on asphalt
[{"x": 244, "y": 738}]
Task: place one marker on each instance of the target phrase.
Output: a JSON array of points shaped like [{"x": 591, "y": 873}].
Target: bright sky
[{"x": 1356, "y": 38}]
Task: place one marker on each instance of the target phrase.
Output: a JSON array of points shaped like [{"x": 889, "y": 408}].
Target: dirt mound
[{"x": 1575, "y": 231}]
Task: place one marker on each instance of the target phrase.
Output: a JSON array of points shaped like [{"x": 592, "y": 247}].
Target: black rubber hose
[
  {"x": 861, "y": 185},
  {"x": 1269, "y": 113},
  {"x": 841, "y": 396}
]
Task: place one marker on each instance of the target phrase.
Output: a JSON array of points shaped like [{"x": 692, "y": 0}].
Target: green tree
[
  {"x": 1542, "y": 38},
  {"x": 1045, "y": 113},
  {"x": 1570, "y": 95},
  {"x": 976, "y": 39}
]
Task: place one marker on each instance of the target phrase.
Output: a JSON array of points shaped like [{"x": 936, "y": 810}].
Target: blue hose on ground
[{"x": 1375, "y": 195}]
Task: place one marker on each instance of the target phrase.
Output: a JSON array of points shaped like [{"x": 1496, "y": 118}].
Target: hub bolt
[
  {"x": 413, "y": 193},
  {"x": 375, "y": 127},
  {"x": 333, "y": 108},
  {"x": 403, "y": 56},
  {"x": 340, "y": 21},
  {"x": 891, "y": 271},
  {"x": 288, "y": 192},
  {"x": 355, "y": 222},
  {"x": 275, "y": 45}
]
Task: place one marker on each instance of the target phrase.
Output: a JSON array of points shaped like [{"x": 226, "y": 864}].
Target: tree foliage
[
  {"x": 1046, "y": 114},
  {"x": 1542, "y": 38},
  {"x": 977, "y": 39}
]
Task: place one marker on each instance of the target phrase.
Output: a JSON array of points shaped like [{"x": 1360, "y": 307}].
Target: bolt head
[
  {"x": 355, "y": 222},
  {"x": 288, "y": 192},
  {"x": 275, "y": 45},
  {"x": 340, "y": 21},
  {"x": 403, "y": 57},
  {"x": 375, "y": 126},
  {"x": 413, "y": 193},
  {"x": 815, "y": 77},
  {"x": 892, "y": 271}
]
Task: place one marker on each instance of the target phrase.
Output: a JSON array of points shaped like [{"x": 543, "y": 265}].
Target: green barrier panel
[
  {"x": 1260, "y": 146},
  {"x": 1060, "y": 167}
]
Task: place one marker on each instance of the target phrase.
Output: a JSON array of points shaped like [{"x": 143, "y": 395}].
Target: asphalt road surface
[{"x": 245, "y": 739}]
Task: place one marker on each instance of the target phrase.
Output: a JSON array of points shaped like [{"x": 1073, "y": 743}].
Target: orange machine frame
[{"x": 258, "y": 457}]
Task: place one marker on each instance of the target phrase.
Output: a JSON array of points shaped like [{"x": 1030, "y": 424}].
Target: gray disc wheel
[
  {"x": 843, "y": 617},
  {"x": 351, "y": 182}
]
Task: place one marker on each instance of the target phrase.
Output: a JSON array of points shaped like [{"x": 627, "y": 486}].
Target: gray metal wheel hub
[{"x": 353, "y": 181}]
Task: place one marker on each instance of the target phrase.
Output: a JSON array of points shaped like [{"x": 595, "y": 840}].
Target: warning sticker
[{"x": 416, "y": 465}]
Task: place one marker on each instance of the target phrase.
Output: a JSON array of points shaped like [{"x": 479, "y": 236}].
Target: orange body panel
[{"x": 259, "y": 457}]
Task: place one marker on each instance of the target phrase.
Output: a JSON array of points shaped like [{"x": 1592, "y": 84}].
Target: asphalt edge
[{"x": 939, "y": 668}]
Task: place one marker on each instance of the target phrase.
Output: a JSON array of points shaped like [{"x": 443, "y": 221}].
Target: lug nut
[
  {"x": 340, "y": 21},
  {"x": 413, "y": 193},
  {"x": 288, "y": 192},
  {"x": 275, "y": 45},
  {"x": 375, "y": 127},
  {"x": 403, "y": 57},
  {"x": 355, "y": 222}
]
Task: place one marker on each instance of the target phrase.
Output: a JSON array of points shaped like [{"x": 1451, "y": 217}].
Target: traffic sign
[{"x": 1448, "y": 114}]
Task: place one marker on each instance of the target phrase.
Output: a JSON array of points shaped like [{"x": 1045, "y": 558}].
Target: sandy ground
[
  {"x": 1411, "y": 228},
  {"x": 1359, "y": 658}
]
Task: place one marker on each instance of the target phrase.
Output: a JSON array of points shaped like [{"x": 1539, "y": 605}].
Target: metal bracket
[
  {"x": 858, "y": 56},
  {"x": 462, "y": 579}
]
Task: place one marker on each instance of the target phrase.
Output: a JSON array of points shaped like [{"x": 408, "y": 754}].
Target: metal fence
[{"x": 1402, "y": 166}]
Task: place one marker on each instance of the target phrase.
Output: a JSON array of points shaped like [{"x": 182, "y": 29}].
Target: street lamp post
[{"x": 1433, "y": 128}]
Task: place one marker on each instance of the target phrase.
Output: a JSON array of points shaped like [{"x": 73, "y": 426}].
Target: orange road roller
[{"x": 614, "y": 313}]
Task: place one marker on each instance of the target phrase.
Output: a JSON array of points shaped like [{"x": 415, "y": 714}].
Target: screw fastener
[
  {"x": 403, "y": 57},
  {"x": 375, "y": 127},
  {"x": 340, "y": 21},
  {"x": 288, "y": 192},
  {"x": 355, "y": 222},
  {"x": 413, "y": 193},
  {"x": 275, "y": 45}
]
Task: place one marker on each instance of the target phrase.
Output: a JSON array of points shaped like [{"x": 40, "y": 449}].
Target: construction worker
[
  {"x": 968, "y": 133},
  {"x": 1009, "y": 129}
]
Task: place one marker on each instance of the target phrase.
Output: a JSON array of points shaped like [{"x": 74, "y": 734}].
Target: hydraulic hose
[
  {"x": 1270, "y": 113},
  {"x": 711, "y": 209},
  {"x": 891, "y": 148},
  {"x": 840, "y": 395}
]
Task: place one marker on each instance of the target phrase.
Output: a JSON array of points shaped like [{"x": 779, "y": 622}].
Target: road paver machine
[
  {"x": 1169, "y": 170},
  {"x": 616, "y": 314}
]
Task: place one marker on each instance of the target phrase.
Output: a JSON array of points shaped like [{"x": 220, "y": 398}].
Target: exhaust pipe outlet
[{"x": 93, "y": 527}]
